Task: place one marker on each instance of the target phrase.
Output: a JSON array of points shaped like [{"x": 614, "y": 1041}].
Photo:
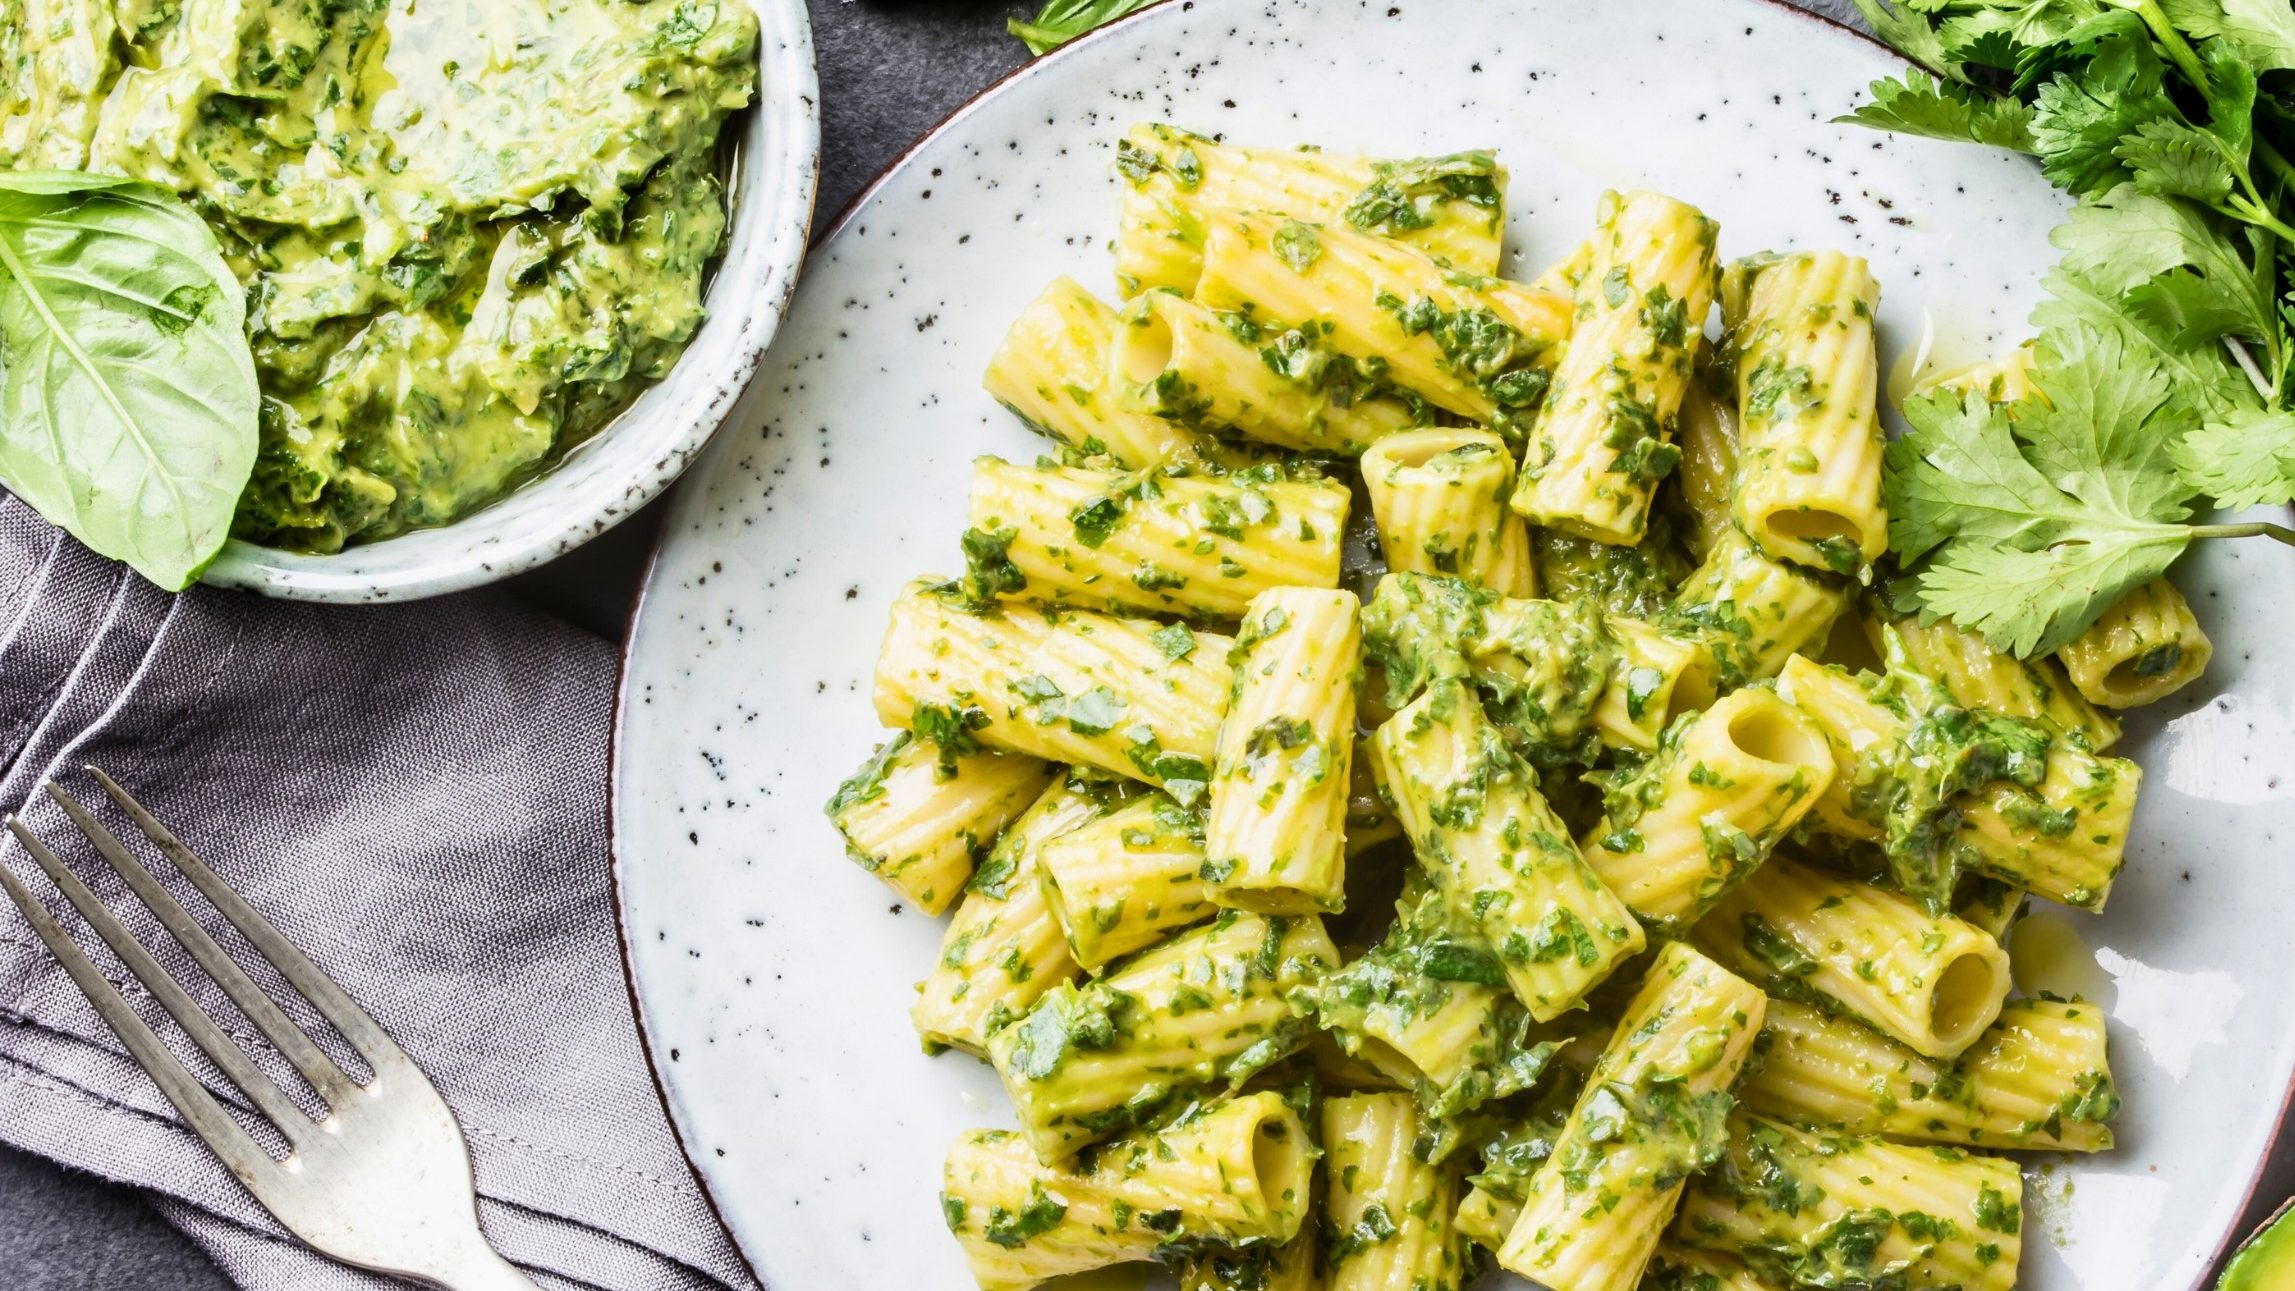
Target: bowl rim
[{"x": 643, "y": 450}]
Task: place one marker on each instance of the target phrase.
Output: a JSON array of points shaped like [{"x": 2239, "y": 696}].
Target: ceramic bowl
[{"x": 641, "y": 452}]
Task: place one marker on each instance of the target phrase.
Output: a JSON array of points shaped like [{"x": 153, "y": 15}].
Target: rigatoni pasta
[
  {"x": 1439, "y": 497},
  {"x": 1724, "y": 787},
  {"x": 1176, "y": 181},
  {"x": 1604, "y": 437},
  {"x": 1226, "y": 373},
  {"x": 1646, "y": 1122},
  {"x": 1005, "y": 948},
  {"x": 1052, "y": 371},
  {"x": 1122, "y": 695},
  {"x": 1125, "y": 881},
  {"x": 1752, "y": 613},
  {"x": 2037, "y": 1079},
  {"x": 1239, "y": 1172},
  {"x": 1200, "y": 548},
  {"x": 2146, "y": 647},
  {"x": 1793, "y": 1204},
  {"x": 1498, "y": 854},
  {"x": 1808, "y": 484},
  {"x": 1204, "y": 1010},
  {"x": 1980, "y": 677},
  {"x": 1931, "y": 982},
  {"x": 1390, "y": 1213},
  {"x": 918, "y": 815},
  {"x": 1276, "y": 840},
  {"x": 1479, "y": 348}
]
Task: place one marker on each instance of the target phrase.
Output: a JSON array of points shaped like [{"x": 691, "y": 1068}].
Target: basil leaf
[{"x": 128, "y": 404}]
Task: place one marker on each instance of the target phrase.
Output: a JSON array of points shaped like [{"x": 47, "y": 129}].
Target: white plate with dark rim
[
  {"x": 773, "y": 976},
  {"x": 776, "y": 161}
]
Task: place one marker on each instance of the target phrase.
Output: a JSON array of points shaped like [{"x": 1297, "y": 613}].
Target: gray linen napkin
[{"x": 416, "y": 795}]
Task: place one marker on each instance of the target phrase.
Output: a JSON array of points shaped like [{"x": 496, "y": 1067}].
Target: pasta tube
[
  {"x": 1238, "y": 1172},
  {"x": 1276, "y": 840},
  {"x": 1004, "y": 948},
  {"x": 1199, "y": 547},
  {"x": 1942, "y": 788},
  {"x": 1649, "y": 1118},
  {"x": 1932, "y": 983},
  {"x": 1390, "y": 1214},
  {"x": 1206, "y": 1008},
  {"x": 1637, "y": 582},
  {"x": 1501, "y": 858},
  {"x": 1658, "y": 676},
  {"x": 1809, "y": 437},
  {"x": 1209, "y": 371},
  {"x": 1429, "y": 1009},
  {"x": 2145, "y": 648},
  {"x": 1753, "y": 613},
  {"x": 2037, "y": 1079},
  {"x": 1978, "y": 676},
  {"x": 1452, "y": 208},
  {"x": 1118, "y": 694},
  {"x": 1685, "y": 1268},
  {"x": 1260, "y": 1267},
  {"x": 1542, "y": 667},
  {"x": 918, "y": 816},
  {"x": 1052, "y": 372},
  {"x": 1725, "y": 786},
  {"x": 1123, "y": 882},
  {"x": 1798, "y": 1207},
  {"x": 1439, "y": 497},
  {"x": 1475, "y": 347},
  {"x": 1604, "y": 437},
  {"x": 1706, "y": 432}
]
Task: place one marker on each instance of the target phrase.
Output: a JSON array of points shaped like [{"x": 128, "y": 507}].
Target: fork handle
[{"x": 478, "y": 1268}]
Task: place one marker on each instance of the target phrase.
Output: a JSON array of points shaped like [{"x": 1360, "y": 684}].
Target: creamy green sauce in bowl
[{"x": 471, "y": 231}]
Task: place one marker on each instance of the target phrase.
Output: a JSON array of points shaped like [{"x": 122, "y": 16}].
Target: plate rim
[{"x": 2231, "y": 1237}]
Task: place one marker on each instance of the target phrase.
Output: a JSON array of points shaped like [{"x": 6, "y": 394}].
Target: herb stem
[
  {"x": 2246, "y": 364},
  {"x": 2255, "y": 529},
  {"x": 2275, "y": 159},
  {"x": 2178, "y": 49}
]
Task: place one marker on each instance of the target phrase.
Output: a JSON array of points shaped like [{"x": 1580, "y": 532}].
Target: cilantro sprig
[
  {"x": 1063, "y": 20},
  {"x": 2165, "y": 355}
]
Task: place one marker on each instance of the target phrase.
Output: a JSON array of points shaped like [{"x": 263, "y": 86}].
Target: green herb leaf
[
  {"x": 2247, "y": 460},
  {"x": 128, "y": 405},
  {"x": 1921, "y": 104},
  {"x": 1063, "y": 20},
  {"x": 2079, "y": 120}
]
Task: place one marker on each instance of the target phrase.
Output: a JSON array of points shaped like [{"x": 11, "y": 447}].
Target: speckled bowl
[
  {"x": 644, "y": 450},
  {"x": 773, "y": 976}
]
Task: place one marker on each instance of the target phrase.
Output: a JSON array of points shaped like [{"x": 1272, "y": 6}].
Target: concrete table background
[{"x": 889, "y": 70}]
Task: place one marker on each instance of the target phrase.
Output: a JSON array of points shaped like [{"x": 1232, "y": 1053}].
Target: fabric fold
[{"x": 416, "y": 795}]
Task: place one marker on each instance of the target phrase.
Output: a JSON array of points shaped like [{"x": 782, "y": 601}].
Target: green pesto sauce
[{"x": 470, "y": 230}]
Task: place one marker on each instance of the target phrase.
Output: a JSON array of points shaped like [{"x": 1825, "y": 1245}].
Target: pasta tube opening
[
  {"x": 1967, "y": 998},
  {"x": 1776, "y": 734},
  {"x": 1144, "y": 346}
]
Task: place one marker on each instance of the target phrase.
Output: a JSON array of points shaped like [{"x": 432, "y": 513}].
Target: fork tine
[
  {"x": 319, "y": 1069},
  {"x": 364, "y": 1033},
  {"x": 202, "y": 1029},
  {"x": 240, "y": 1153}
]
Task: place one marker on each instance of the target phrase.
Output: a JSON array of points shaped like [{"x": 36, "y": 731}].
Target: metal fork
[{"x": 383, "y": 1181}]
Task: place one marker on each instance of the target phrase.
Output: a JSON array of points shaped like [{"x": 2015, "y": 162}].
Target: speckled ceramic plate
[
  {"x": 643, "y": 451},
  {"x": 773, "y": 976}
]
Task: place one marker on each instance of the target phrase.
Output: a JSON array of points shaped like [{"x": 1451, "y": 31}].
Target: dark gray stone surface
[{"x": 890, "y": 69}]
